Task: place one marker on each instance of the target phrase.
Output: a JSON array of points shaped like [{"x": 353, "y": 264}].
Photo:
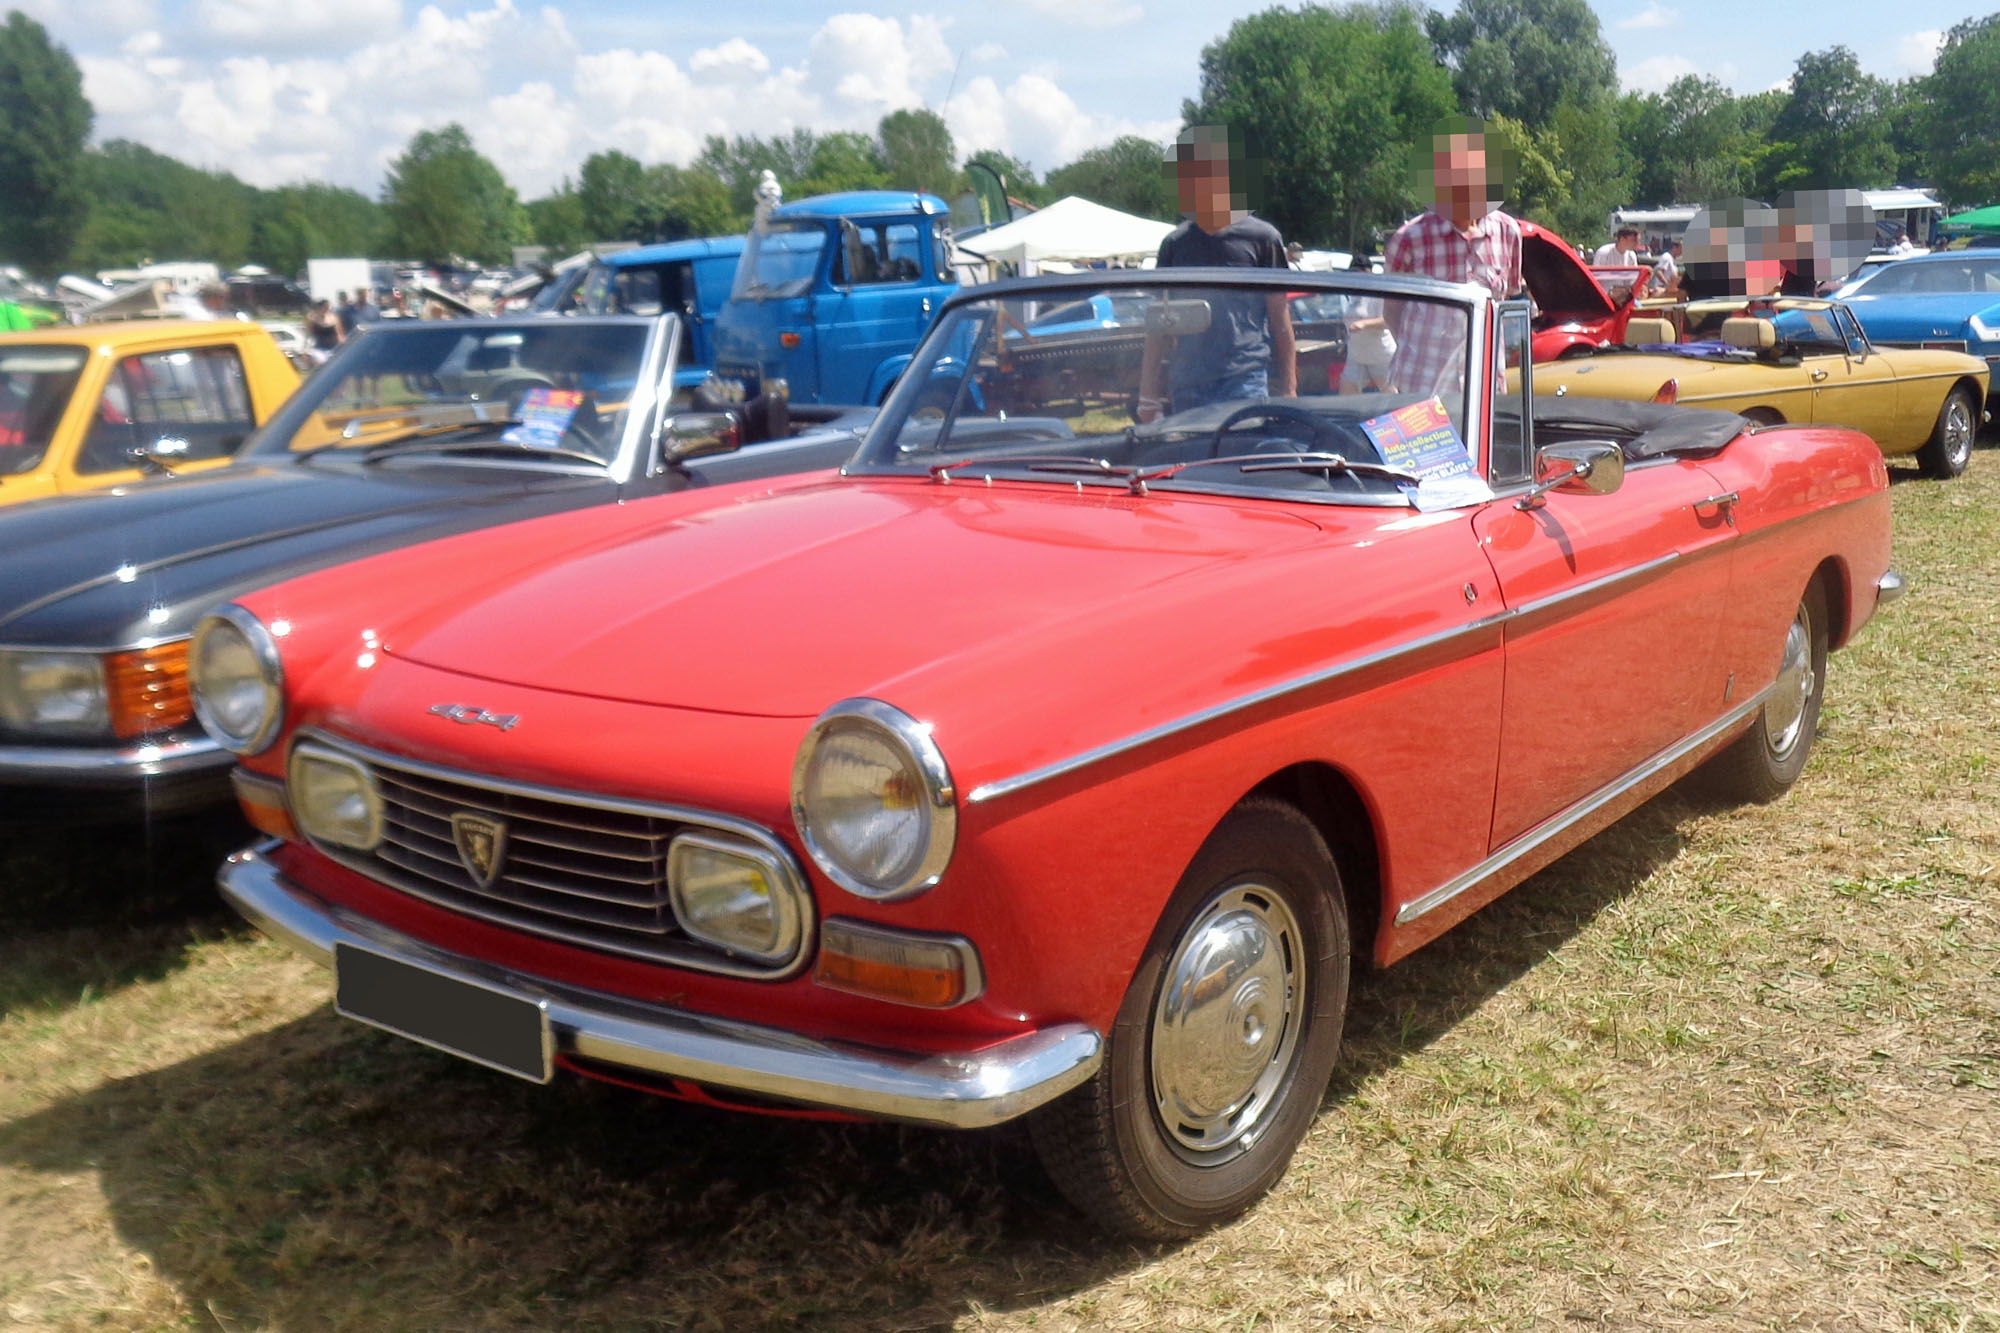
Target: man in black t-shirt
[{"x": 1246, "y": 351}]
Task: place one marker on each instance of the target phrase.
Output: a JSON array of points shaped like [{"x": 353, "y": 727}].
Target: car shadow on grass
[
  {"x": 323, "y": 1174},
  {"x": 89, "y": 910}
]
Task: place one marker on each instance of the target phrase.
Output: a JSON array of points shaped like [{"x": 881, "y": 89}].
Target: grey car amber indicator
[{"x": 506, "y": 1032}]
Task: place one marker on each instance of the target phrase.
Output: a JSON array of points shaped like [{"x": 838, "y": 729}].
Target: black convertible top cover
[{"x": 1642, "y": 430}]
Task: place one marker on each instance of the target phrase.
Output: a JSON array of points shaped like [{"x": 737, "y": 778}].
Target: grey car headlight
[
  {"x": 54, "y": 694},
  {"x": 238, "y": 682},
  {"x": 334, "y": 799},
  {"x": 735, "y": 896},
  {"x": 873, "y": 800}
]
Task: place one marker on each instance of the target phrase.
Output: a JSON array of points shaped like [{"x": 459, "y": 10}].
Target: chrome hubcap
[
  {"x": 1785, "y": 710},
  {"x": 1227, "y": 1021},
  {"x": 1957, "y": 431}
]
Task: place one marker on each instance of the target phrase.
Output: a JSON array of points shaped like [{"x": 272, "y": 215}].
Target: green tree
[
  {"x": 1524, "y": 58},
  {"x": 917, "y": 151},
  {"x": 1963, "y": 126},
  {"x": 695, "y": 201},
  {"x": 845, "y": 160},
  {"x": 44, "y": 121},
  {"x": 1018, "y": 176},
  {"x": 1693, "y": 142},
  {"x": 442, "y": 200},
  {"x": 1835, "y": 126},
  {"x": 1128, "y": 173},
  {"x": 617, "y": 199},
  {"x": 294, "y": 223},
  {"x": 1337, "y": 97},
  {"x": 148, "y": 206},
  {"x": 556, "y": 221},
  {"x": 741, "y": 161}
]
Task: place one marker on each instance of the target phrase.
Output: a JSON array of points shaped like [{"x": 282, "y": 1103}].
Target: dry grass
[{"x": 1719, "y": 1069}]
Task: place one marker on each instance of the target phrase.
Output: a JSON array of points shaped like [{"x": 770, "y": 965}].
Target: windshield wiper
[
  {"x": 1091, "y": 467},
  {"x": 425, "y": 419},
  {"x": 1331, "y": 464},
  {"x": 395, "y": 450}
]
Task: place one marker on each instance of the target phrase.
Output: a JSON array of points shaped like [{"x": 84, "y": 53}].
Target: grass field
[{"x": 1717, "y": 1069}]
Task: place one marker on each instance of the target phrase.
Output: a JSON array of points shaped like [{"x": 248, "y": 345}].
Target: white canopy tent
[{"x": 1072, "y": 230}]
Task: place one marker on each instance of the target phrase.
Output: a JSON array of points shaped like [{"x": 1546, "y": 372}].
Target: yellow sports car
[
  {"x": 1794, "y": 359},
  {"x": 102, "y": 404}
]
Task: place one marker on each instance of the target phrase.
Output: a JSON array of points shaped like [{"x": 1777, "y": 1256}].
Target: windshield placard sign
[
  {"x": 1420, "y": 439},
  {"x": 545, "y": 415}
]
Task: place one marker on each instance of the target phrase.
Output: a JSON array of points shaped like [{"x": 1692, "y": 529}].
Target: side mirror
[
  {"x": 1586, "y": 467},
  {"x": 690, "y": 435},
  {"x": 159, "y": 456}
]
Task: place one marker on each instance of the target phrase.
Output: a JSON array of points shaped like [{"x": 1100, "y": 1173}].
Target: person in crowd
[
  {"x": 1667, "y": 270},
  {"x": 1462, "y": 237},
  {"x": 365, "y": 311},
  {"x": 1370, "y": 345},
  {"x": 322, "y": 330},
  {"x": 1621, "y": 251},
  {"x": 1247, "y": 351},
  {"x": 343, "y": 313}
]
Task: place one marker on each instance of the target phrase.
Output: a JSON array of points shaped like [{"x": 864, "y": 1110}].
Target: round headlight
[
  {"x": 238, "y": 683},
  {"x": 874, "y": 801}
]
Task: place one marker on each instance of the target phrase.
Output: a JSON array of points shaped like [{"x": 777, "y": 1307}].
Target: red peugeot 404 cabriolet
[{"x": 1058, "y": 757}]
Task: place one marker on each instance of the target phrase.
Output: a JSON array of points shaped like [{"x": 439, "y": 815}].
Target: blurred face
[
  {"x": 1460, "y": 178},
  {"x": 1204, "y": 185}
]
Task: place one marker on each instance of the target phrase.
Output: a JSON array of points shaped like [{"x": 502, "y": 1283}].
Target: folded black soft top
[{"x": 1643, "y": 430}]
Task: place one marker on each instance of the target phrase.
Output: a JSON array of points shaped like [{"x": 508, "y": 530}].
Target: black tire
[
  {"x": 1763, "y": 763},
  {"x": 1949, "y": 449},
  {"x": 1158, "y": 1147}
]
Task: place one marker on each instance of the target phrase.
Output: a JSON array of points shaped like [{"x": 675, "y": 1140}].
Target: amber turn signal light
[
  {"x": 147, "y": 689},
  {"x": 932, "y": 971},
  {"x": 788, "y": 339},
  {"x": 264, "y": 804}
]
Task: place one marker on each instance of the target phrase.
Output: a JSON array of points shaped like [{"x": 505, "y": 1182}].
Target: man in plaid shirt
[{"x": 1463, "y": 237}]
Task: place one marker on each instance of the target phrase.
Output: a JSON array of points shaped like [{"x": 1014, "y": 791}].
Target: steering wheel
[{"x": 1316, "y": 430}]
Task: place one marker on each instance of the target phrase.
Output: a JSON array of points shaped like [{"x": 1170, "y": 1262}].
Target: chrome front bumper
[
  {"x": 110, "y": 765},
  {"x": 968, "y": 1091},
  {"x": 1889, "y": 587}
]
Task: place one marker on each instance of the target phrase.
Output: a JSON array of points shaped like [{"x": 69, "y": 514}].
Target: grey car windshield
[
  {"x": 35, "y": 387},
  {"x": 781, "y": 261},
  {"x": 1198, "y": 385},
  {"x": 546, "y": 387}
]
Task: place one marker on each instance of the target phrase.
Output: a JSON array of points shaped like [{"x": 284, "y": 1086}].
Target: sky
[{"x": 285, "y": 90}]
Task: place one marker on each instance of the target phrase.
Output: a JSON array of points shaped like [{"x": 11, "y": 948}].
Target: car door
[
  {"x": 1848, "y": 389},
  {"x": 1611, "y": 633},
  {"x": 189, "y": 406},
  {"x": 880, "y": 304}
]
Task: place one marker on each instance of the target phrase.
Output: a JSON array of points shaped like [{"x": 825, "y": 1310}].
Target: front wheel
[
  {"x": 1225, "y": 1041},
  {"x": 1763, "y": 763},
  {"x": 1949, "y": 449}
]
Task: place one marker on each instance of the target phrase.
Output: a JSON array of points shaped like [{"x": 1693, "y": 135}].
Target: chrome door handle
[
  {"x": 1720, "y": 500},
  {"x": 1818, "y": 375}
]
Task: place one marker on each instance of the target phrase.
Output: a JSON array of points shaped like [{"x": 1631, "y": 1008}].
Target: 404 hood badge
[{"x": 471, "y": 715}]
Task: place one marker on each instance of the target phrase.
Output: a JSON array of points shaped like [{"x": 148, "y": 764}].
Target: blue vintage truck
[{"x": 832, "y": 295}]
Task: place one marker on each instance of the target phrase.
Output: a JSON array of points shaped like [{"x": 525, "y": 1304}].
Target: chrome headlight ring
[
  {"x": 924, "y": 788},
  {"x": 270, "y": 677}
]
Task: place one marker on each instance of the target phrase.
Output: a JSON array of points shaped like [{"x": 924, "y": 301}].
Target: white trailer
[{"x": 328, "y": 278}]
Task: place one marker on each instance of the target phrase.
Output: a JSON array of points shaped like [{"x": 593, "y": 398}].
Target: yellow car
[
  {"x": 102, "y": 404},
  {"x": 1799, "y": 360}
]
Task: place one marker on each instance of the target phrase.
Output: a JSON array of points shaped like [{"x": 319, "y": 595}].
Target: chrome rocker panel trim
[
  {"x": 970, "y": 1091},
  {"x": 97, "y": 765}
]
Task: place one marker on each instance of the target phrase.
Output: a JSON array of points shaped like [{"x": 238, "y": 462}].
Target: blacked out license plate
[{"x": 464, "y": 1018}]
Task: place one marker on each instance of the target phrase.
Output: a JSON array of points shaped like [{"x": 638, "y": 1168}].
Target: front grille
[{"x": 573, "y": 867}]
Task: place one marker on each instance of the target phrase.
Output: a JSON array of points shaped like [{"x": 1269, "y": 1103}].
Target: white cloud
[
  {"x": 869, "y": 64},
  {"x": 1916, "y": 52},
  {"x": 1035, "y": 120},
  {"x": 734, "y": 56},
  {"x": 1653, "y": 74},
  {"x": 1652, "y": 16},
  {"x": 287, "y": 25},
  {"x": 1083, "y": 13},
  {"x": 93, "y": 16}
]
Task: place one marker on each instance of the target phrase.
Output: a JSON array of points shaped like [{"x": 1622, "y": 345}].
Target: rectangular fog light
[
  {"x": 732, "y": 895},
  {"x": 334, "y": 799}
]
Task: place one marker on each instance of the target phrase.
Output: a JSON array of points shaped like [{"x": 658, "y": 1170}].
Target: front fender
[{"x": 885, "y": 377}]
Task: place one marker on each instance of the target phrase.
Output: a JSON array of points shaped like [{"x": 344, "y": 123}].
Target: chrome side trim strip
[
  {"x": 967, "y": 1090},
  {"x": 1889, "y": 587},
  {"x": 1008, "y": 786},
  {"x": 1559, "y": 823},
  {"x": 138, "y": 760}
]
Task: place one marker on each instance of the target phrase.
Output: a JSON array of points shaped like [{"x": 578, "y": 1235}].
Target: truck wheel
[
  {"x": 1949, "y": 449},
  {"x": 1224, "y": 1044},
  {"x": 1763, "y": 763}
]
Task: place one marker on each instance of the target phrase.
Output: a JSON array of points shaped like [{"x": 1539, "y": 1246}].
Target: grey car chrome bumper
[
  {"x": 968, "y": 1091},
  {"x": 1889, "y": 587},
  {"x": 110, "y": 765}
]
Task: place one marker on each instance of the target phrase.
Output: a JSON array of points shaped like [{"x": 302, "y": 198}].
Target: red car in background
[
  {"x": 1045, "y": 762},
  {"x": 1575, "y": 313}
]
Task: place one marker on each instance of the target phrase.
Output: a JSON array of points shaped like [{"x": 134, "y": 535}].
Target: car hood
[
  {"x": 146, "y": 561},
  {"x": 1917, "y": 315},
  {"x": 1561, "y": 284},
  {"x": 833, "y": 589}
]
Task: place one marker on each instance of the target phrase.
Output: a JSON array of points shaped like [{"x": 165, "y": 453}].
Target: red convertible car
[{"x": 1056, "y": 763}]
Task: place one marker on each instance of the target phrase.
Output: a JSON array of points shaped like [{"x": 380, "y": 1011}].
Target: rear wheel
[
  {"x": 1949, "y": 449},
  {"x": 1225, "y": 1041},
  {"x": 1763, "y": 763}
]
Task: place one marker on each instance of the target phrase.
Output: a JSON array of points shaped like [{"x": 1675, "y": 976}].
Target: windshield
[
  {"x": 1953, "y": 275},
  {"x": 35, "y": 385},
  {"x": 538, "y": 386},
  {"x": 1189, "y": 386},
  {"x": 780, "y": 261}
]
